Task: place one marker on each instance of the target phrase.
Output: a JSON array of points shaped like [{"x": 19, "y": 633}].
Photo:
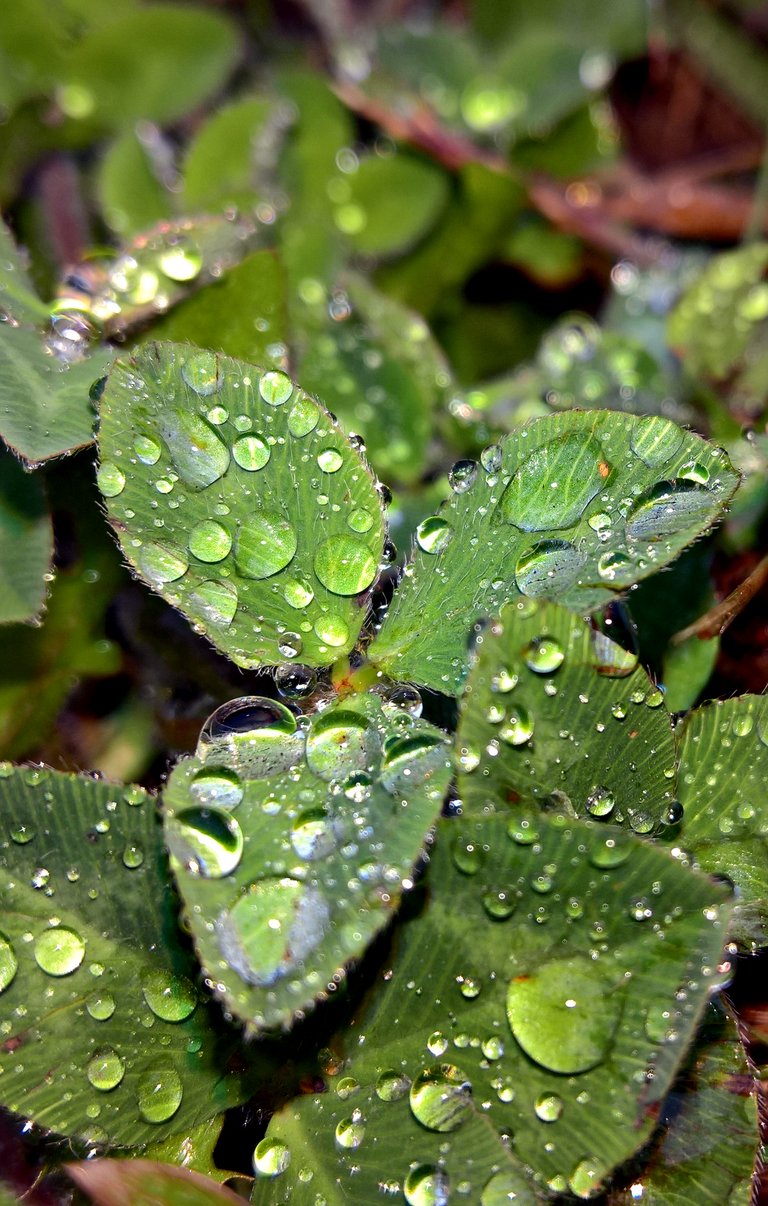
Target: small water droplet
[
  {"x": 543, "y": 655},
  {"x": 271, "y": 1157},
  {"x": 433, "y": 534},
  {"x": 110, "y": 479},
  {"x": 330, "y": 460},
  {"x": 251, "y": 453},
  {"x": 206, "y": 841},
  {"x": 171, "y": 998},
  {"x": 462, "y": 476},
  {"x": 100, "y": 1006},
  {"x": 517, "y": 728},
  {"x": 59, "y": 951},
  {"x": 159, "y": 1093},
  {"x": 275, "y": 388},
  {"x": 147, "y": 449},
  {"x": 441, "y": 1097},
  {"x": 392, "y": 1085},
  {"x": 600, "y": 802},
  {"x": 8, "y": 963},
  {"x": 313, "y": 836},
  {"x": 350, "y": 1132},
  {"x": 333, "y": 630}
]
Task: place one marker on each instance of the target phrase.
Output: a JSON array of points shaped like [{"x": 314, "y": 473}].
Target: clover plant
[{"x": 441, "y": 902}]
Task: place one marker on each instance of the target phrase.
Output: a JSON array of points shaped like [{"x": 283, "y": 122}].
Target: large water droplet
[
  {"x": 563, "y": 1014},
  {"x": 271, "y": 1157},
  {"x": 147, "y": 449},
  {"x": 100, "y": 1006},
  {"x": 201, "y": 373},
  {"x": 441, "y": 1097},
  {"x": 303, "y": 417},
  {"x": 543, "y": 655},
  {"x": 550, "y": 567},
  {"x": 171, "y": 998},
  {"x": 548, "y": 1107},
  {"x": 553, "y": 485},
  {"x": 392, "y": 1085},
  {"x": 462, "y": 476},
  {"x": 218, "y": 786},
  {"x": 433, "y": 534},
  {"x": 655, "y": 440},
  {"x": 313, "y": 836},
  {"x": 275, "y": 388},
  {"x": 345, "y": 565},
  {"x": 216, "y": 601},
  {"x": 600, "y": 802},
  {"x": 265, "y": 544},
  {"x": 330, "y": 460},
  {"x": 333, "y": 630},
  {"x": 197, "y": 452},
  {"x": 159, "y": 1093},
  {"x": 505, "y": 1187},
  {"x": 427, "y": 1185},
  {"x": 408, "y": 760},
  {"x": 350, "y": 1132},
  {"x": 209, "y": 541},
  {"x": 251, "y": 453},
  {"x": 105, "y": 1069},
  {"x": 360, "y": 520},
  {"x": 59, "y": 951},
  {"x": 587, "y": 1178},
  {"x": 8, "y": 963},
  {"x": 110, "y": 479},
  {"x": 517, "y": 728},
  {"x": 668, "y": 508},
  {"x": 270, "y": 930},
  {"x": 181, "y": 262},
  {"x": 339, "y": 742},
  {"x": 206, "y": 841},
  {"x": 162, "y": 563}
]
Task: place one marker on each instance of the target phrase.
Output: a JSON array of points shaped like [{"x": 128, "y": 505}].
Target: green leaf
[
  {"x": 388, "y": 204},
  {"x": 26, "y": 543},
  {"x": 18, "y": 297},
  {"x": 193, "y": 1150},
  {"x": 555, "y": 712},
  {"x": 719, "y": 325},
  {"x": 107, "y": 1038},
  {"x": 535, "y": 969},
  {"x": 242, "y": 314},
  {"x": 155, "y": 63},
  {"x": 147, "y": 1182},
  {"x": 576, "y": 508},
  {"x": 708, "y": 1137},
  {"x": 316, "y": 826},
  {"x": 723, "y": 759},
  {"x": 132, "y": 194},
  {"x": 272, "y": 529},
  {"x": 45, "y": 408},
  {"x": 686, "y": 671},
  {"x": 226, "y": 162}
]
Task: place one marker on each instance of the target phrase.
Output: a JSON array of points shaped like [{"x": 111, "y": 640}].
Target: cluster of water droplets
[{"x": 243, "y": 504}]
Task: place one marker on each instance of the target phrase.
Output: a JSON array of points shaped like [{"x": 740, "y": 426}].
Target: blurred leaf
[
  {"x": 593, "y": 24},
  {"x": 107, "y": 1038},
  {"x": 507, "y": 1009},
  {"x": 268, "y": 818},
  {"x": 545, "y": 254},
  {"x": 390, "y": 203},
  {"x": 575, "y": 508},
  {"x": 45, "y": 408},
  {"x": 146, "y": 1183},
  {"x": 31, "y": 51},
  {"x": 26, "y": 543},
  {"x": 131, "y": 194},
  {"x": 230, "y": 159},
  {"x": 18, "y": 298},
  {"x": 687, "y": 670},
  {"x": 708, "y": 1134},
  {"x": 723, "y": 755},
  {"x": 200, "y": 435},
  {"x": 157, "y": 62},
  {"x": 554, "y": 711}
]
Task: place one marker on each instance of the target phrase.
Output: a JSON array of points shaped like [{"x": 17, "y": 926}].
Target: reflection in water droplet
[
  {"x": 433, "y": 534},
  {"x": 250, "y": 453},
  {"x": 543, "y": 655},
  {"x": 554, "y": 484},
  {"x": 462, "y": 476},
  {"x": 59, "y": 951},
  {"x": 159, "y": 1093},
  {"x": 100, "y": 1006},
  {"x": 517, "y": 728},
  {"x": 162, "y": 562},
  {"x": 548, "y": 1107},
  {"x": 147, "y": 449},
  {"x": 265, "y": 544},
  {"x": 105, "y": 1070},
  {"x": 441, "y": 1097},
  {"x": 345, "y": 565},
  {"x": 303, "y": 417},
  {"x": 110, "y": 479},
  {"x": 563, "y": 1014},
  {"x": 271, "y": 1157},
  {"x": 427, "y": 1185},
  {"x": 655, "y": 440},
  {"x": 216, "y": 601},
  {"x": 332, "y": 630},
  {"x": 201, "y": 372},
  {"x": 206, "y": 841},
  {"x": 313, "y": 835},
  {"x": 8, "y": 963},
  {"x": 330, "y": 460},
  {"x": 271, "y": 929},
  {"x": 350, "y": 1132},
  {"x": 550, "y": 567},
  {"x": 360, "y": 520},
  {"x": 668, "y": 508},
  {"x": 298, "y": 594},
  {"x": 600, "y": 802},
  {"x": 392, "y": 1085},
  {"x": 197, "y": 452},
  {"x": 218, "y": 786},
  {"x": 275, "y": 388},
  {"x": 209, "y": 541},
  {"x": 410, "y": 760},
  {"x": 171, "y": 998},
  {"x": 339, "y": 742}
]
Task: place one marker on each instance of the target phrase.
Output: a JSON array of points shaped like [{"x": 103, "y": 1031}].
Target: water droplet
[
  {"x": 517, "y": 728},
  {"x": 655, "y": 440},
  {"x": 330, "y": 460},
  {"x": 410, "y": 759},
  {"x": 100, "y": 1006},
  {"x": 548, "y": 1107},
  {"x": 218, "y": 786},
  {"x": 295, "y": 682},
  {"x": 392, "y": 1085},
  {"x": 162, "y": 563},
  {"x": 303, "y": 417},
  {"x": 110, "y": 479},
  {"x": 332, "y": 630},
  {"x": 462, "y": 476},
  {"x": 147, "y": 449},
  {"x": 563, "y": 1014},
  {"x": 550, "y": 567},
  {"x": 441, "y": 1097},
  {"x": 206, "y": 841},
  {"x": 427, "y": 1185},
  {"x": 607, "y": 853},
  {"x": 271, "y": 1157},
  {"x": 491, "y": 458},
  {"x": 345, "y": 565},
  {"x": 217, "y": 601},
  {"x": 553, "y": 485},
  {"x": 197, "y": 452},
  {"x": 433, "y": 534},
  {"x": 59, "y": 951},
  {"x": 612, "y": 565},
  {"x": 437, "y": 1044},
  {"x": 105, "y": 1069},
  {"x": 201, "y": 372},
  {"x": 181, "y": 262},
  {"x": 505, "y": 1187},
  {"x": 350, "y": 1132},
  {"x": 265, "y": 544},
  {"x": 339, "y": 742},
  {"x": 668, "y": 508},
  {"x": 468, "y": 854},
  {"x": 543, "y": 655},
  {"x": 523, "y": 830},
  {"x": 159, "y": 1093},
  {"x": 313, "y": 836},
  {"x": 500, "y": 903},
  {"x": 360, "y": 520},
  {"x": 251, "y": 453},
  {"x": 298, "y": 594},
  {"x": 133, "y": 856},
  {"x": 270, "y": 930},
  {"x": 587, "y": 1178},
  {"x": 171, "y": 998},
  {"x": 600, "y": 802},
  {"x": 492, "y": 1047},
  {"x": 275, "y": 388},
  {"x": 8, "y": 963},
  {"x": 209, "y": 541}
]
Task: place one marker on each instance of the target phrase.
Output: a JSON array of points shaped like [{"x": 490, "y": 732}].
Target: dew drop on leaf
[
  {"x": 275, "y": 388},
  {"x": 543, "y": 655},
  {"x": 562, "y": 1014},
  {"x": 266, "y": 543},
  {"x": 251, "y": 453},
  {"x": 345, "y": 565},
  {"x": 218, "y": 786},
  {"x": 216, "y": 601},
  {"x": 668, "y": 508},
  {"x": 209, "y": 541},
  {"x": 197, "y": 452},
  {"x": 171, "y": 998},
  {"x": 441, "y": 1097},
  {"x": 433, "y": 534},
  {"x": 162, "y": 563},
  {"x": 201, "y": 373},
  {"x": 206, "y": 841},
  {"x": 159, "y": 1093},
  {"x": 271, "y": 1157},
  {"x": 110, "y": 479},
  {"x": 550, "y": 567},
  {"x": 59, "y": 951},
  {"x": 505, "y": 1187},
  {"x": 271, "y": 929},
  {"x": 105, "y": 1070},
  {"x": 427, "y": 1185}
]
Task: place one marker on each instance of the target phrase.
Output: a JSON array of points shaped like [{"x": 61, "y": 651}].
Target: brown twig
[{"x": 716, "y": 620}]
